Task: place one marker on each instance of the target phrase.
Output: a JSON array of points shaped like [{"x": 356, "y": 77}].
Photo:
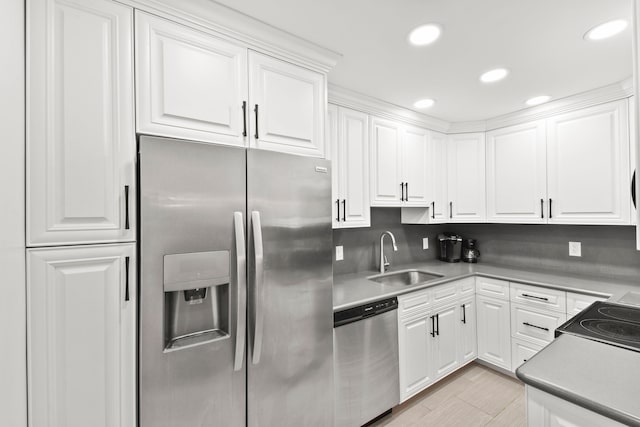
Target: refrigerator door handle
[
  {"x": 241, "y": 288},
  {"x": 258, "y": 287}
]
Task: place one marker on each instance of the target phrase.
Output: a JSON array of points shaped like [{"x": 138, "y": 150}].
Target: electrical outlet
[
  {"x": 425, "y": 243},
  {"x": 575, "y": 249},
  {"x": 339, "y": 253}
]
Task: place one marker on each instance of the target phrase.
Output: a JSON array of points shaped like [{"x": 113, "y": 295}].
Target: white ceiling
[{"x": 539, "y": 41}]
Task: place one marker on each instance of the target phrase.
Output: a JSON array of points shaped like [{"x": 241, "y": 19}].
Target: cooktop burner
[{"x": 613, "y": 324}]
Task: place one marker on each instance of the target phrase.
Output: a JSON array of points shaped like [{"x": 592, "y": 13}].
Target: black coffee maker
[
  {"x": 470, "y": 252},
  {"x": 450, "y": 247}
]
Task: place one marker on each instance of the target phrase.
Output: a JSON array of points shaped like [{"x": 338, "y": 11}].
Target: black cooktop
[{"x": 610, "y": 323}]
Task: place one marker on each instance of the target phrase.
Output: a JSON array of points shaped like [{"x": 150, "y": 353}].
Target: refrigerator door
[
  {"x": 290, "y": 352},
  {"x": 192, "y": 284}
]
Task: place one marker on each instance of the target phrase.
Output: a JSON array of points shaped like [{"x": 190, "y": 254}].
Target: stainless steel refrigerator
[{"x": 235, "y": 287}]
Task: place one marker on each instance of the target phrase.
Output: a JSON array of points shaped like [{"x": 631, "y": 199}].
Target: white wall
[{"x": 13, "y": 371}]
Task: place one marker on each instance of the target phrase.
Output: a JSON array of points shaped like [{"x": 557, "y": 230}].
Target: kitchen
[{"x": 82, "y": 203}]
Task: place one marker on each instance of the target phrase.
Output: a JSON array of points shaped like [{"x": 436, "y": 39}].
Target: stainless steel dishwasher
[{"x": 365, "y": 362}]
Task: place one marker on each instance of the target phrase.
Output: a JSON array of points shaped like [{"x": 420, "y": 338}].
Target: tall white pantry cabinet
[{"x": 81, "y": 220}]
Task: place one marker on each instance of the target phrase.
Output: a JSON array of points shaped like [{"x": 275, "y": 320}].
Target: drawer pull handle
[
  {"x": 535, "y": 297},
  {"x": 535, "y": 326}
]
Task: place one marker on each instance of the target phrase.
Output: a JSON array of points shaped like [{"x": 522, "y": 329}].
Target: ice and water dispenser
[{"x": 196, "y": 298}]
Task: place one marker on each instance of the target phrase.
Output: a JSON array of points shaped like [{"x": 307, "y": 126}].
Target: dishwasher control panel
[{"x": 363, "y": 311}]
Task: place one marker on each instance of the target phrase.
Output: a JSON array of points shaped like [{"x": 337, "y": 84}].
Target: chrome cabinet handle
[
  {"x": 255, "y": 110},
  {"x": 241, "y": 290},
  {"x": 126, "y": 207},
  {"x": 535, "y": 297},
  {"x": 126, "y": 278},
  {"x": 244, "y": 118},
  {"x": 258, "y": 287},
  {"x": 535, "y": 326}
]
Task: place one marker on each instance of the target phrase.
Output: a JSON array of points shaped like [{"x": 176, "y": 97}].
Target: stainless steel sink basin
[{"x": 405, "y": 278}]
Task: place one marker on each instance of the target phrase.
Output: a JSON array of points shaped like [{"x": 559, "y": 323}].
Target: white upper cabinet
[
  {"x": 82, "y": 336},
  {"x": 190, "y": 84},
  {"x": 287, "y": 106},
  {"x": 386, "y": 177},
  {"x": 440, "y": 203},
  {"x": 517, "y": 174},
  {"x": 466, "y": 177},
  {"x": 80, "y": 123},
  {"x": 588, "y": 166},
  {"x": 400, "y": 172},
  {"x": 633, "y": 141},
  {"x": 349, "y": 138}
]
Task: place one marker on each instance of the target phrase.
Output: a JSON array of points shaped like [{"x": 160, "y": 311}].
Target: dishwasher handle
[{"x": 354, "y": 314}]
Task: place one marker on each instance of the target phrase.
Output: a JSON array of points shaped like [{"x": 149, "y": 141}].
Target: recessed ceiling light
[
  {"x": 537, "y": 100},
  {"x": 606, "y": 30},
  {"x": 424, "y": 35},
  {"x": 424, "y": 103},
  {"x": 494, "y": 75}
]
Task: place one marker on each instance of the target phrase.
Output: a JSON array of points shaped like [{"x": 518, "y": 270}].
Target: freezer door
[
  {"x": 290, "y": 358},
  {"x": 192, "y": 284}
]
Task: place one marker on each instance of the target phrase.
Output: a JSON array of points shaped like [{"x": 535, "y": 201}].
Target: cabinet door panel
[
  {"x": 291, "y": 104},
  {"x": 415, "y": 373},
  {"x": 385, "y": 163},
  {"x": 354, "y": 168},
  {"x": 416, "y": 167},
  {"x": 494, "y": 331},
  {"x": 190, "y": 84},
  {"x": 468, "y": 336},
  {"x": 81, "y": 335},
  {"x": 588, "y": 166},
  {"x": 335, "y": 155},
  {"x": 445, "y": 347},
  {"x": 81, "y": 140},
  {"x": 466, "y": 177},
  {"x": 516, "y": 174},
  {"x": 440, "y": 203}
]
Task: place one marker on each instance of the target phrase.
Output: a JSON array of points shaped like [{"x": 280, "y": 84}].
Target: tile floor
[{"x": 473, "y": 396}]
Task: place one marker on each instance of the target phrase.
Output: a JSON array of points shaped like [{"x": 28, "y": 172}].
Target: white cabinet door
[
  {"x": 81, "y": 144},
  {"x": 335, "y": 156},
  {"x": 415, "y": 151},
  {"x": 633, "y": 141},
  {"x": 352, "y": 154},
  {"x": 440, "y": 203},
  {"x": 588, "y": 167},
  {"x": 386, "y": 175},
  {"x": 445, "y": 343},
  {"x": 414, "y": 355},
  {"x": 287, "y": 106},
  {"x": 468, "y": 331},
  {"x": 190, "y": 84},
  {"x": 517, "y": 174},
  {"x": 466, "y": 177},
  {"x": 494, "y": 331},
  {"x": 81, "y": 336}
]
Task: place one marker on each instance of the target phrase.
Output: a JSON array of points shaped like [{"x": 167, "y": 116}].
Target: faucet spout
[{"x": 384, "y": 264}]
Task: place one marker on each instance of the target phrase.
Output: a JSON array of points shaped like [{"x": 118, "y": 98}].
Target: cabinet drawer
[
  {"x": 533, "y": 325},
  {"x": 493, "y": 288},
  {"x": 467, "y": 286},
  {"x": 578, "y": 302},
  {"x": 521, "y": 351},
  {"x": 413, "y": 302},
  {"x": 535, "y": 296},
  {"x": 444, "y": 293}
]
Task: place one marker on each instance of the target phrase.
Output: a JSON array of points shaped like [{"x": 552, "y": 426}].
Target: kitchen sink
[{"x": 405, "y": 278}]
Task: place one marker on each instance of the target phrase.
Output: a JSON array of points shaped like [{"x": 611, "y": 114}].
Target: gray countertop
[
  {"x": 350, "y": 290},
  {"x": 596, "y": 376}
]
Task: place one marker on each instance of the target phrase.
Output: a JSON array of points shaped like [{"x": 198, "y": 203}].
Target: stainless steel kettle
[{"x": 470, "y": 252}]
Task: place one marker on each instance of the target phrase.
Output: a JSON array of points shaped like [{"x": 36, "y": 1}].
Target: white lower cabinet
[
  {"x": 522, "y": 351},
  {"x": 578, "y": 302},
  {"x": 494, "y": 332},
  {"x": 468, "y": 330},
  {"x": 446, "y": 336},
  {"x": 546, "y": 410},
  {"x": 414, "y": 347},
  {"x": 81, "y": 317}
]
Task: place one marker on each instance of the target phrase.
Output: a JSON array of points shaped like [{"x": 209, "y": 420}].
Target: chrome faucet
[{"x": 384, "y": 264}]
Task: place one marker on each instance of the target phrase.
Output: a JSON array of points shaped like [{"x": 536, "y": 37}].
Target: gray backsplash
[{"x": 606, "y": 250}]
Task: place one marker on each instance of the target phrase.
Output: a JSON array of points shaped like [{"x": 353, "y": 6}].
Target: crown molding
[
  {"x": 347, "y": 98},
  {"x": 612, "y": 92},
  {"x": 252, "y": 32}
]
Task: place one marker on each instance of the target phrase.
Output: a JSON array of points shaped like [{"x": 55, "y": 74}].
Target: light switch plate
[
  {"x": 339, "y": 253},
  {"x": 575, "y": 249},
  {"x": 425, "y": 243}
]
